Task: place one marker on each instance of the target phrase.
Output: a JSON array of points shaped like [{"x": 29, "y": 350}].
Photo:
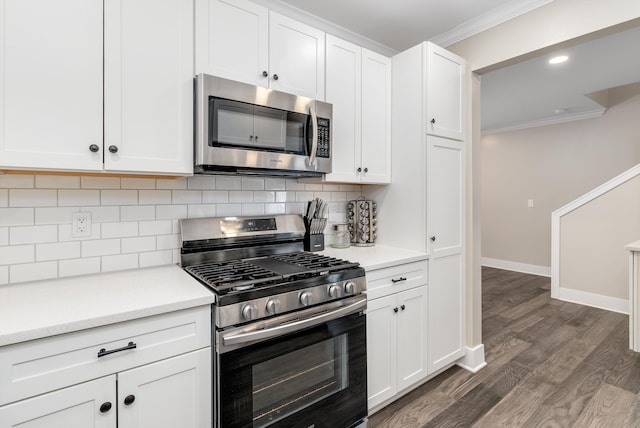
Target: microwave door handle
[{"x": 314, "y": 135}]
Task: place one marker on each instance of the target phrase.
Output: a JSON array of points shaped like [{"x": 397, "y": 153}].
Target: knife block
[{"x": 313, "y": 242}]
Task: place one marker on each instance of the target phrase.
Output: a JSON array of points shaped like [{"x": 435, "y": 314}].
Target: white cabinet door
[
  {"x": 170, "y": 393},
  {"x": 382, "y": 364},
  {"x": 445, "y": 93},
  {"x": 412, "y": 337},
  {"x": 296, "y": 57},
  {"x": 232, "y": 40},
  {"x": 445, "y": 230},
  {"x": 149, "y": 86},
  {"x": 344, "y": 88},
  {"x": 376, "y": 118},
  {"x": 51, "y": 84},
  {"x": 73, "y": 407}
]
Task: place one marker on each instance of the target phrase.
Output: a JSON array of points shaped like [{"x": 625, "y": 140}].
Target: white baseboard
[
  {"x": 516, "y": 266},
  {"x": 595, "y": 300},
  {"x": 473, "y": 359}
]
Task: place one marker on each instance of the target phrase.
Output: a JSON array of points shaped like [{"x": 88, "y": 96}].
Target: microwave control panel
[{"x": 323, "y": 138}]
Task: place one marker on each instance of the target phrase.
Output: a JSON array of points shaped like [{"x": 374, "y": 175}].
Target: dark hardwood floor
[{"x": 549, "y": 364}]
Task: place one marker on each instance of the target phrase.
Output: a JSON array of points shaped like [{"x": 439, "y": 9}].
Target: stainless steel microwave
[{"x": 248, "y": 129}]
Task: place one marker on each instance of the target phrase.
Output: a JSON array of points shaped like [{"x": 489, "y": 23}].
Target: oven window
[{"x": 291, "y": 382}]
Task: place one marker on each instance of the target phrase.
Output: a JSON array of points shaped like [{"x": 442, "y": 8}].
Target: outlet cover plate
[{"x": 81, "y": 225}]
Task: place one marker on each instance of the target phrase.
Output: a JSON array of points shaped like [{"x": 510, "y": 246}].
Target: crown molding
[
  {"x": 487, "y": 20},
  {"x": 589, "y": 114}
]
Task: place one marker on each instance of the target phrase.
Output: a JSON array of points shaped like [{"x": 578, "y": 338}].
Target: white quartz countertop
[
  {"x": 44, "y": 308},
  {"x": 376, "y": 257},
  {"x": 634, "y": 246}
]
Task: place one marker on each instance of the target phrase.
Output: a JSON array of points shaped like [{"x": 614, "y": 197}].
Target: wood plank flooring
[{"x": 549, "y": 364}]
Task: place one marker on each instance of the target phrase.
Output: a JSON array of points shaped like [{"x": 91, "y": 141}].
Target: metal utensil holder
[
  {"x": 314, "y": 236},
  {"x": 363, "y": 222}
]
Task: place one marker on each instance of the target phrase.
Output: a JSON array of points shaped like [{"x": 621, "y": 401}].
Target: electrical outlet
[
  {"x": 81, "y": 225},
  {"x": 530, "y": 203}
]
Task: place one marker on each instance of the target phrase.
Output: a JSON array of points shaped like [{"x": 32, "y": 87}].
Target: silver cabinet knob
[
  {"x": 273, "y": 306},
  {"x": 305, "y": 298},
  {"x": 249, "y": 312}
]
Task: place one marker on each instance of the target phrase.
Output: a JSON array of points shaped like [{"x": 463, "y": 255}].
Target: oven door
[{"x": 311, "y": 375}]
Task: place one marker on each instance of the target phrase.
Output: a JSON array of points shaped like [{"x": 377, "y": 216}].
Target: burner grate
[
  {"x": 315, "y": 263},
  {"x": 232, "y": 274}
]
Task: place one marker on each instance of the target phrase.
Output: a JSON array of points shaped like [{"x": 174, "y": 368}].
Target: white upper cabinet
[
  {"x": 240, "y": 40},
  {"x": 51, "y": 84},
  {"x": 232, "y": 40},
  {"x": 358, "y": 84},
  {"x": 445, "y": 93},
  {"x": 149, "y": 86},
  {"x": 51, "y": 95}
]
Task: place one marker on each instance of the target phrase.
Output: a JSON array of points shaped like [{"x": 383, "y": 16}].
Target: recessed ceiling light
[
  {"x": 558, "y": 59},
  {"x": 560, "y": 110}
]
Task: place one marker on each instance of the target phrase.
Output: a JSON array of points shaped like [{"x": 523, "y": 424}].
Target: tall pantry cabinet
[{"x": 424, "y": 205}]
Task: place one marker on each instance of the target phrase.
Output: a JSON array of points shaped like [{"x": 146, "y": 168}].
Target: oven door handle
[{"x": 283, "y": 329}]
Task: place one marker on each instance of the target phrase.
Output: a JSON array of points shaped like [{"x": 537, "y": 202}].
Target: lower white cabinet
[
  {"x": 98, "y": 378},
  {"x": 396, "y": 332}
]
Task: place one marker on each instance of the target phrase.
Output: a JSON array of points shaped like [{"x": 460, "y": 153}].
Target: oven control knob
[
  {"x": 349, "y": 287},
  {"x": 305, "y": 298},
  {"x": 273, "y": 306},
  {"x": 335, "y": 291},
  {"x": 249, "y": 312}
]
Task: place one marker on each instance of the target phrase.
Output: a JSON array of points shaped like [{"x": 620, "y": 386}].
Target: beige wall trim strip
[
  {"x": 516, "y": 266},
  {"x": 556, "y": 290},
  {"x": 594, "y": 300}
]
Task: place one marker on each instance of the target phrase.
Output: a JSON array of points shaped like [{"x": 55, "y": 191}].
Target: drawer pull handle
[
  {"x": 103, "y": 352},
  {"x": 402, "y": 278}
]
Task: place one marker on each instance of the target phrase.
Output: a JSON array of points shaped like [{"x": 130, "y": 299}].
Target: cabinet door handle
[
  {"x": 275, "y": 77},
  {"x": 94, "y": 148},
  {"x": 402, "y": 307},
  {"x": 402, "y": 278},
  {"x": 103, "y": 352},
  {"x": 359, "y": 169},
  {"x": 433, "y": 239},
  {"x": 366, "y": 170},
  {"x": 129, "y": 399},
  {"x": 265, "y": 73},
  {"x": 113, "y": 149},
  {"x": 105, "y": 407},
  {"x": 433, "y": 121},
  {"x": 395, "y": 310}
]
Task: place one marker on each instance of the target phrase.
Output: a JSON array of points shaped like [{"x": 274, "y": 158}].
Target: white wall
[
  {"x": 552, "y": 165},
  {"x": 135, "y": 220}
]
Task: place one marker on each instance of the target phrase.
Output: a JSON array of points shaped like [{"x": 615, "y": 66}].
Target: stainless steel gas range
[{"x": 289, "y": 325}]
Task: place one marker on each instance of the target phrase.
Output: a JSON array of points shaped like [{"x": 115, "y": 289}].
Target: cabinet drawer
[
  {"x": 382, "y": 282},
  {"x": 42, "y": 365}
]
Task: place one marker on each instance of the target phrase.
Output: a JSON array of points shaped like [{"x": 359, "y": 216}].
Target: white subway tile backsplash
[
  {"x": 16, "y": 216},
  {"x": 168, "y": 242},
  {"x": 101, "y": 247},
  {"x": 16, "y": 181},
  {"x": 135, "y": 221},
  {"x": 139, "y": 244},
  {"x": 121, "y": 229},
  {"x": 15, "y": 254},
  {"x": 201, "y": 182},
  {"x": 57, "y": 182},
  {"x": 32, "y": 198},
  {"x": 137, "y": 212},
  {"x": 154, "y": 197},
  {"x": 157, "y": 227},
  {"x": 186, "y": 197},
  {"x": 156, "y": 258},
  {"x": 57, "y": 251},
  {"x": 32, "y": 234},
  {"x": 33, "y": 271},
  {"x": 215, "y": 196},
  {"x": 119, "y": 262},
  {"x": 228, "y": 183},
  {"x": 118, "y": 197},
  {"x": 171, "y": 212},
  {"x": 240, "y": 197},
  {"x": 76, "y": 198},
  {"x": 137, "y": 183},
  {"x": 100, "y": 182},
  {"x": 252, "y": 183},
  {"x": 353, "y": 195},
  {"x": 77, "y": 267},
  {"x": 201, "y": 210},
  {"x": 171, "y": 184}
]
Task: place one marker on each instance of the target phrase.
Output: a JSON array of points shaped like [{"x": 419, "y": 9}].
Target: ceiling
[{"x": 525, "y": 94}]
